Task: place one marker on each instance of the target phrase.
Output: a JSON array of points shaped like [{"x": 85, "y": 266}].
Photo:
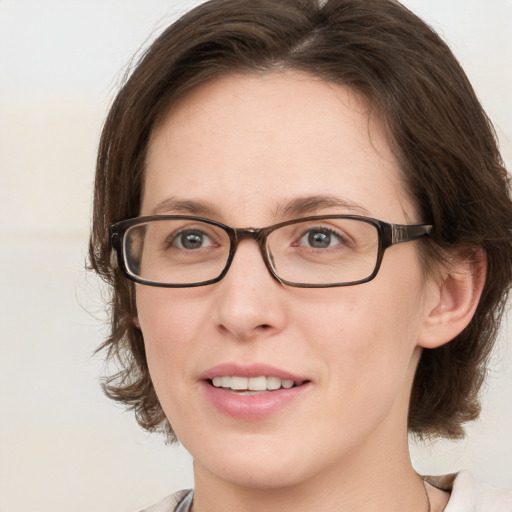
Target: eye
[
  {"x": 190, "y": 239},
  {"x": 321, "y": 238}
]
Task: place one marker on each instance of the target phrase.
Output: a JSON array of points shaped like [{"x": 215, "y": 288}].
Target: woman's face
[{"x": 250, "y": 152}]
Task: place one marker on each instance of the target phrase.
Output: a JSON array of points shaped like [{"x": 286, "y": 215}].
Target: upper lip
[{"x": 250, "y": 370}]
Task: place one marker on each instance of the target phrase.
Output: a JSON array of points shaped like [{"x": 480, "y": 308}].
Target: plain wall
[{"x": 63, "y": 445}]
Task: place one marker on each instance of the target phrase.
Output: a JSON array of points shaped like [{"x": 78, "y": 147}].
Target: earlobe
[
  {"x": 454, "y": 299},
  {"x": 136, "y": 322}
]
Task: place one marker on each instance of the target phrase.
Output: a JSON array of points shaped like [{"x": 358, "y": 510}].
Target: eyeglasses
[{"x": 313, "y": 252}]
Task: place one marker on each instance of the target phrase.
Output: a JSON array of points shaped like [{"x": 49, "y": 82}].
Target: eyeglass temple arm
[{"x": 405, "y": 233}]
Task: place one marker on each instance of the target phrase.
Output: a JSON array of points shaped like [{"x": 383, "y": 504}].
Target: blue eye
[{"x": 320, "y": 238}]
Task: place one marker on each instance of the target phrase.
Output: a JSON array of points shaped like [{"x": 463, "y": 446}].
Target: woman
[{"x": 313, "y": 233}]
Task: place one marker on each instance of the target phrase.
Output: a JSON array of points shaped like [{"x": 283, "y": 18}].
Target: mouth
[
  {"x": 249, "y": 386},
  {"x": 252, "y": 392}
]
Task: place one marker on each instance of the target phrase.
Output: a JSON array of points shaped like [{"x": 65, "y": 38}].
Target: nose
[{"x": 249, "y": 301}]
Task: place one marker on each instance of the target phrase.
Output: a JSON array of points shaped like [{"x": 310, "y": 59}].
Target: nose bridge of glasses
[
  {"x": 259, "y": 235},
  {"x": 256, "y": 234}
]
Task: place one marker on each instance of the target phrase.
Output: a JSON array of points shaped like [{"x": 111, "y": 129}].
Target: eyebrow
[
  {"x": 186, "y": 206},
  {"x": 313, "y": 204},
  {"x": 307, "y": 205}
]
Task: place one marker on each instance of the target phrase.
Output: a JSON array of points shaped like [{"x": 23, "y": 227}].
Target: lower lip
[{"x": 252, "y": 407}]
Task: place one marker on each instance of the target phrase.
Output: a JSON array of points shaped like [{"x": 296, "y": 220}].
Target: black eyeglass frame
[{"x": 388, "y": 235}]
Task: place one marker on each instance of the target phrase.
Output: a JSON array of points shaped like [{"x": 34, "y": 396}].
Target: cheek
[
  {"x": 167, "y": 317},
  {"x": 170, "y": 330},
  {"x": 359, "y": 321},
  {"x": 363, "y": 333}
]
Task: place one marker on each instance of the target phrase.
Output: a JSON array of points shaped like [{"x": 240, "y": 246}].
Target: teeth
[
  {"x": 252, "y": 384},
  {"x": 239, "y": 383},
  {"x": 257, "y": 384},
  {"x": 287, "y": 384},
  {"x": 273, "y": 383}
]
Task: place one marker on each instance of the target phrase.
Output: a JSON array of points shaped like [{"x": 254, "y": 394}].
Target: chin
[
  {"x": 263, "y": 475},
  {"x": 258, "y": 462}
]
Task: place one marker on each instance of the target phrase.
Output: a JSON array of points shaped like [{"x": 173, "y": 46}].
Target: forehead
[{"x": 250, "y": 143}]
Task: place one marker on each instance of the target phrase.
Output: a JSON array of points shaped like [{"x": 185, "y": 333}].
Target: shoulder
[
  {"x": 180, "y": 501},
  {"x": 468, "y": 494}
]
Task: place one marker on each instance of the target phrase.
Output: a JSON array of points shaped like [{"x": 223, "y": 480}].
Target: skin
[{"x": 241, "y": 148}]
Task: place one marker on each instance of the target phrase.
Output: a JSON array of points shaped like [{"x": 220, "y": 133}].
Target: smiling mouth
[{"x": 252, "y": 385}]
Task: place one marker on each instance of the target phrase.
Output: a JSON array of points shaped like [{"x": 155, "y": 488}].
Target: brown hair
[{"x": 444, "y": 142}]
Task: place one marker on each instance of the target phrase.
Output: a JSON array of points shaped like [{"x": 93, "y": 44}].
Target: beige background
[{"x": 63, "y": 446}]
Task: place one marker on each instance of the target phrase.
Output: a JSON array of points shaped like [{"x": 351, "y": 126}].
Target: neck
[{"x": 377, "y": 481}]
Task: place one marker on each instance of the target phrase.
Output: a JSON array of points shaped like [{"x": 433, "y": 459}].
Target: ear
[
  {"x": 453, "y": 298},
  {"x": 136, "y": 322}
]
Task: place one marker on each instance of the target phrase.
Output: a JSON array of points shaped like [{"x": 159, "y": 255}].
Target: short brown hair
[{"x": 443, "y": 140}]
